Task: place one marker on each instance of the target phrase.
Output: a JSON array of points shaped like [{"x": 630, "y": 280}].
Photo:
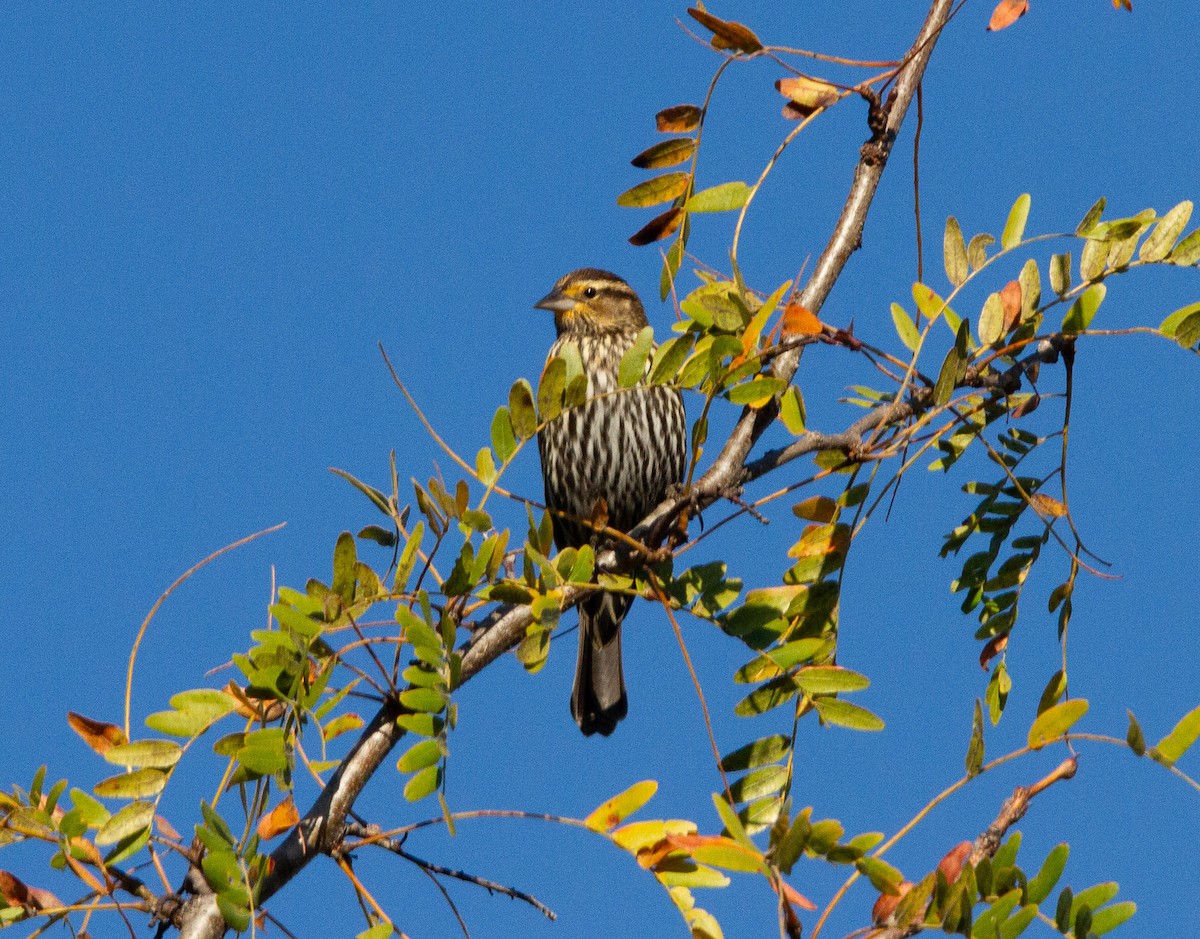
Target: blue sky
[{"x": 213, "y": 216}]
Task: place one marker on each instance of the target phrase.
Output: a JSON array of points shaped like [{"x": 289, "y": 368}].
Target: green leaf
[
  {"x": 610, "y": 813},
  {"x": 766, "y": 780},
  {"x": 504, "y": 442},
  {"x": 1047, "y": 878},
  {"x": 977, "y": 249},
  {"x": 947, "y": 378},
  {"x": 1187, "y": 252},
  {"x": 665, "y": 153},
  {"x": 845, "y": 714},
  {"x": 1014, "y": 228},
  {"x": 829, "y": 679},
  {"x": 991, "y": 320},
  {"x": 1179, "y": 740},
  {"x": 1110, "y": 917},
  {"x": 884, "y": 878},
  {"x": 1016, "y": 924},
  {"x": 1084, "y": 309},
  {"x": 954, "y": 253},
  {"x": 1055, "y": 688},
  {"x": 159, "y": 754},
  {"x": 1160, "y": 241},
  {"x": 654, "y": 191},
  {"x": 906, "y": 329},
  {"x": 723, "y": 198},
  {"x": 135, "y": 785},
  {"x": 380, "y": 931},
  {"x": 1053, "y": 723},
  {"x": 1060, "y": 273},
  {"x": 521, "y": 410},
  {"x": 975, "y": 748},
  {"x": 633, "y": 362},
  {"x": 420, "y": 755},
  {"x": 424, "y": 700},
  {"x": 761, "y": 389},
  {"x": 758, "y": 753},
  {"x": 131, "y": 820},
  {"x": 550, "y": 389},
  {"x": 422, "y": 784},
  {"x": 1183, "y": 325},
  {"x": 733, "y": 824},
  {"x": 1093, "y": 259},
  {"x": 668, "y": 358},
  {"x": 378, "y": 498},
  {"x": 1091, "y": 218},
  {"x": 791, "y": 410},
  {"x": 1134, "y": 736},
  {"x": 236, "y": 917}
]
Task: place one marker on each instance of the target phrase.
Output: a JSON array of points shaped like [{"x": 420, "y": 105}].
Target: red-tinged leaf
[
  {"x": 1027, "y": 406},
  {"x": 166, "y": 829},
  {"x": 610, "y": 813},
  {"x": 678, "y": 119},
  {"x": 994, "y": 647},
  {"x": 659, "y": 227},
  {"x": 720, "y": 851},
  {"x": 42, "y": 899},
  {"x": 727, "y": 34},
  {"x": 952, "y": 864},
  {"x": 278, "y": 820},
  {"x": 806, "y": 95},
  {"x": 98, "y": 735},
  {"x": 794, "y": 896},
  {"x": 885, "y": 906},
  {"x": 1006, "y": 13},
  {"x": 1047, "y": 505},
  {"x": 13, "y": 890},
  {"x": 799, "y": 320},
  {"x": 1010, "y": 296}
]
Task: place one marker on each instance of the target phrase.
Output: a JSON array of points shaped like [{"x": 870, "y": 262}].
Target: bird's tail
[{"x": 598, "y": 699}]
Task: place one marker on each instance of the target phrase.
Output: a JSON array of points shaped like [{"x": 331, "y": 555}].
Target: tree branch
[{"x": 322, "y": 826}]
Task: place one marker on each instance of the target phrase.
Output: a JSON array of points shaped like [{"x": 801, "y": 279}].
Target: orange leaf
[
  {"x": 278, "y": 820},
  {"x": 994, "y": 647},
  {"x": 84, "y": 874},
  {"x": 1123, "y": 5},
  {"x": 727, "y": 34},
  {"x": 98, "y": 735},
  {"x": 1028, "y": 406},
  {"x": 1010, "y": 296},
  {"x": 885, "y": 906},
  {"x": 678, "y": 119},
  {"x": 794, "y": 896},
  {"x": 659, "y": 227},
  {"x": 805, "y": 95},
  {"x": 799, "y": 320},
  {"x": 655, "y": 854},
  {"x": 1047, "y": 505},
  {"x": 1006, "y": 13},
  {"x": 952, "y": 864},
  {"x": 166, "y": 829},
  {"x": 13, "y": 890}
]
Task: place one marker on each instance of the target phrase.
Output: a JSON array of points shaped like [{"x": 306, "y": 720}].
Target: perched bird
[{"x": 626, "y": 447}]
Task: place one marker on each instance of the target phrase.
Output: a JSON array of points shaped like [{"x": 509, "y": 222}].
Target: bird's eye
[{"x": 589, "y": 292}]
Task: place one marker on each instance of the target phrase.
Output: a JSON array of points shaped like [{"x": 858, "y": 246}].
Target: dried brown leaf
[
  {"x": 98, "y": 735},
  {"x": 659, "y": 227},
  {"x": 678, "y": 119},
  {"x": 727, "y": 34}
]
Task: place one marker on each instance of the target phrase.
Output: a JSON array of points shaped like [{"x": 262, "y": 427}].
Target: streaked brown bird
[{"x": 626, "y": 447}]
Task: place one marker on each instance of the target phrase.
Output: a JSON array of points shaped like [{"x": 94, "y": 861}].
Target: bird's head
[{"x": 593, "y": 301}]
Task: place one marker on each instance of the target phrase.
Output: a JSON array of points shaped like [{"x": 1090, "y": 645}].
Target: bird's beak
[{"x": 556, "y": 301}]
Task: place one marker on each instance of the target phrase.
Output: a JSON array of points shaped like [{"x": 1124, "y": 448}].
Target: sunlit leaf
[
  {"x": 655, "y": 191},
  {"x": 610, "y": 813},
  {"x": 721, "y": 198},
  {"x": 845, "y": 714},
  {"x": 954, "y": 254},
  {"x": 678, "y": 119},
  {"x": 1079, "y": 317},
  {"x": 98, "y": 735},
  {"x": 1158, "y": 243},
  {"x": 906, "y": 329},
  {"x": 633, "y": 361},
  {"x": 1053, "y": 723},
  {"x": 665, "y": 153},
  {"x": 1179, "y": 740},
  {"x": 1014, "y": 228},
  {"x": 726, "y": 34},
  {"x": 805, "y": 95},
  {"x": 1006, "y": 13}
]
